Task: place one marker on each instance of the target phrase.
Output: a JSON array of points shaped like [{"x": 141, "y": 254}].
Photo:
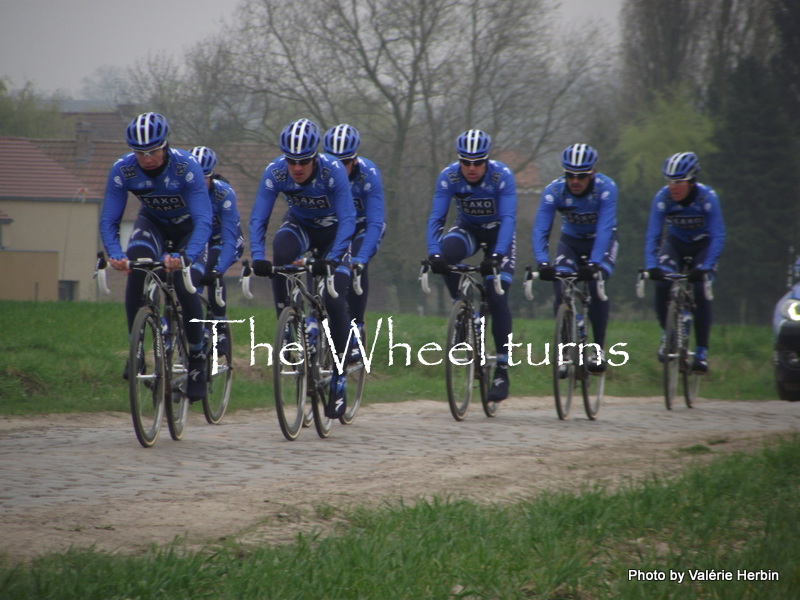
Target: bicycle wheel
[
  {"x": 177, "y": 366},
  {"x": 592, "y": 384},
  {"x": 322, "y": 371},
  {"x": 691, "y": 379},
  {"x": 146, "y": 378},
  {"x": 460, "y": 357},
  {"x": 356, "y": 378},
  {"x": 219, "y": 380},
  {"x": 566, "y": 360},
  {"x": 289, "y": 372},
  {"x": 485, "y": 383},
  {"x": 672, "y": 362}
]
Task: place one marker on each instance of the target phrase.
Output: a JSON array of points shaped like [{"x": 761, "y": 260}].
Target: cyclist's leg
[
  {"x": 289, "y": 244},
  {"x": 501, "y": 323},
  {"x": 702, "y": 316},
  {"x": 669, "y": 260},
  {"x": 458, "y": 244},
  {"x": 214, "y": 308},
  {"x": 600, "y": 309},
  {"x": 193, "y": 309},
  {"x": 145, "y": 242},
  {"x": 567, "y": 257},
  {"x": 356, "y": 303}
]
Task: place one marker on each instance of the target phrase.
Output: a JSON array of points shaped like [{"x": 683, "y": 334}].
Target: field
[{"x": 404, "y": 503}]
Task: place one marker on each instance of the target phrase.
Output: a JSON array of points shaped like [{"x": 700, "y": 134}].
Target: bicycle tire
[
  {"x": 565, "y": 334},
  {"x": 177, "y": 368},
  {"x": 146, "y": 377},
  {"x": 460, "y": 358},
  {"x": 671, "y": 355},
  {"x": 215, "y": 402},
  {"x": 290, "y": 381},
  {"x": 321, "y": 372},
  {"x": 358, "y": 372},
  {"x": 485, "y": 383},
  {"x": 592, "y": 386},
  {"x": 691, "y": 380}
]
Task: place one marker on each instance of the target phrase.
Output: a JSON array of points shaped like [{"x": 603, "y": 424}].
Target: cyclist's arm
[
  {"x": 376, "y": 217},
  {"x": 716, "y": 230},
  {"x": 114, "y": 202},
  {"x": 655, "y": 225},
  {"x": 543, "y": 224},
  {"x": 438, "y": 215},
  {"x": 606, "y": 221},
  {"x": 259, "y": 217},
  {"x": 199, "y": 203},
  {"x": 342, "y": 197},
  {"x": 507, "y": 210},
  {"x": 231, "y": 229}
]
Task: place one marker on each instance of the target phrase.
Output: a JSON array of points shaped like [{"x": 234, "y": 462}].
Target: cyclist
[
  {"x": 175, "y": 209},
  {"x": 366, "y": 185},
  {"x": 695, "y": 230},
  {"x": 226, "y": 244},
  {"x": 485, "y": 195},
  {"x": 321, "y": 216},
  {"x": 587, "y": 202}
]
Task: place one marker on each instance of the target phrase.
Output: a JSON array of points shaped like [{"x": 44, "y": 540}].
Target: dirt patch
[{"x": 83, "y": 480}]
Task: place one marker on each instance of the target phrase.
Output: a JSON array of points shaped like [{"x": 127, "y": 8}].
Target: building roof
[{"x": 26, "y": 171}]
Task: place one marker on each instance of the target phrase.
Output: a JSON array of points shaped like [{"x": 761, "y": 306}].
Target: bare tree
[{"x": 410, "y": 74}]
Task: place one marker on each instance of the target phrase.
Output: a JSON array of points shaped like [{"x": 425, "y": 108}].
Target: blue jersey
[
  {"x": 490, "y": 203},
  {"x": 325, "y": 200},
  {"x": 592, "y": 216},
  {"x": 176, "y": 194},
  {"x": 700, "y": 219},
  {"x": 226, "y": 227},
  {"x": 366, "y": 186}
]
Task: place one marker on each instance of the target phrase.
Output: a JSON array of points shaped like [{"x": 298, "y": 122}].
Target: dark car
[{"x": 786, "y": 329}]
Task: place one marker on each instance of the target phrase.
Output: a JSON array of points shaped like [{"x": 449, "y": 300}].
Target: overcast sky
[{"x": 55, "y": 44}]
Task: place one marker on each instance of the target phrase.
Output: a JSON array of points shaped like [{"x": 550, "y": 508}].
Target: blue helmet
[
  {"x": 578, "y": 158},
  {"x": 147, "y": 131},
  {"x": 299, "y": 139},
  {"x": 473, "y": 144},
  {"x": 683, "y": 165},
  {"x": 342, "y": 141},
  {"x": 206, "y": 157}
]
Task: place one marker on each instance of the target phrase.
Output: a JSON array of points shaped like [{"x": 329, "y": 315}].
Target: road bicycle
[
  {"x": 573, "y": 352},
  {"x": 158, "y": 356},
  {"x": 678, "y": 356},
  {"x": 466, "y": 363},
  {"x": 302, "y": 359}
]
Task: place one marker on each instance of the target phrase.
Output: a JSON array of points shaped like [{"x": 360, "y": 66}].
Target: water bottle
[
  {"x": 312, "y": 333},
  {"x": 581, "y": 326},
  {"x": 165, "y": 333},
  {"x": 686, "y": 319}
]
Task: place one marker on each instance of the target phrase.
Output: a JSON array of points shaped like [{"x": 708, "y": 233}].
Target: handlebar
[
  {"x": 708, "y": 290},
  {"x": 531, "y": 275},
  {"x": 141, "y": 263},
  {"x": 459, "y": 268},
  {"x": 302, "y": 266}
]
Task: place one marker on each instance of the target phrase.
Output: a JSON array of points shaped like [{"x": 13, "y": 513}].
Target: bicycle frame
[
  {"x": 570, "y": 339},
  {"x": 470, "y": 306}
]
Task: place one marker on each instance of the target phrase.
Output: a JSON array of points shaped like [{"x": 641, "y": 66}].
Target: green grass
[
  {"x": 740, "y": 513},
  {"x": 68, "y": 357}
]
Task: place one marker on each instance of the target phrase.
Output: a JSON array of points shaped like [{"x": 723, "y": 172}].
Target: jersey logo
[
  {"x": 163, "y": 203},
  {"x": 129, "y": 172},
  {"x": 579, "y": 218},
  {"x": 695, "y": 222},
  {"x": 453, "y": 176},
  {"x": 359, "y": 202},
  {"x": 477, "y": 207},
  {"x": 180, "y": 169},
  {"x": 318, "y": 203}
]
